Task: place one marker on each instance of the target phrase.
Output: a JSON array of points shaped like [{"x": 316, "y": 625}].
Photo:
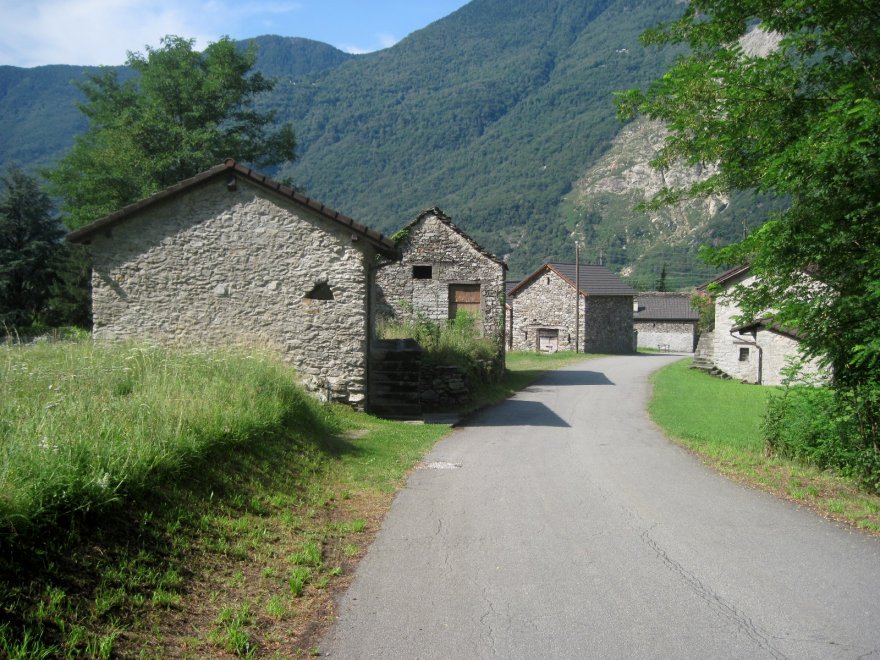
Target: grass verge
[
  {"x": 239, "y": 507},
  {"x": 720, "y": 420},
  {"x": 164, "y": 503}
]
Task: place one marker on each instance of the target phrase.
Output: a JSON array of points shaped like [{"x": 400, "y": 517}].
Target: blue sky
[{"x": 37, "y": 32}]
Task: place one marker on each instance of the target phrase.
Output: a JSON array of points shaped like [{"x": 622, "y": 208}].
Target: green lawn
[
  {"x": 720, "y": 420},
  {"x": 714, "y": 415}
]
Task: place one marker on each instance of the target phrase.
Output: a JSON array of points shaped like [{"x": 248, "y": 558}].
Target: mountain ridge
[{"x": 494, "y": 113}]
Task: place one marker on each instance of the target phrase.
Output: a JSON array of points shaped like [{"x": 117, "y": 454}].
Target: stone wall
[
  {"x": 678, "y": 337},
  {"x": 738, "y": 356},
  {"x": 726, "y": 348},
  {"x": 608, "y": 325},
  {"x": 452, "y": 259},
  {"x": 223, "y": 267},
  {"x": 548, "y": 303}
]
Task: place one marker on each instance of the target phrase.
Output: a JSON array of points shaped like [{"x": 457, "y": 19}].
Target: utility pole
[{"x": 577, "y": 296}]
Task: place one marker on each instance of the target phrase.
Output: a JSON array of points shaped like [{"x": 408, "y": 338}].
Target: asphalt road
[{"x": 561, "y": 524}]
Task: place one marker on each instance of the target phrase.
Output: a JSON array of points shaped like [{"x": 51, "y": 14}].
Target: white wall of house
[
  {"x": 677, "y": 337},
  {"x": 745, "y": 356}
]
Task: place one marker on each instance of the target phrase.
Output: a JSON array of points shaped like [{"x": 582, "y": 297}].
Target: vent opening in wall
[
  {"x": 743, "y": 355},
  {"x": 422, "y": 272},
  {"x": 321, "y": 291}
]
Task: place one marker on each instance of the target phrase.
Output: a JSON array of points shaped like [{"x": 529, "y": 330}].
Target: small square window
[
  {"x": 422, "y": 272},
  {"x": 743, "y": 355}
]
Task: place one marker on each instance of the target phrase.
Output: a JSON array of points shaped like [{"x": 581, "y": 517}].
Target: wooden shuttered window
[{"x": 464, "y": 297}]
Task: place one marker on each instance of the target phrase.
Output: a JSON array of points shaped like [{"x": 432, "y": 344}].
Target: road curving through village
[{"x": 561, "y": 523}]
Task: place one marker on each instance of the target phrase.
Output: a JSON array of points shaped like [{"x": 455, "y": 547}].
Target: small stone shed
[
  {"x": 543, "y": 313},
  {"x": 756, "y": 352},
  {"x": 230, "y": 256},
  {"x": 442, "y": 270},
  {"x": 665, "y": 321}
]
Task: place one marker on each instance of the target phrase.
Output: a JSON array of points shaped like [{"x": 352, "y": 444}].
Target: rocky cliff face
[{"x": 603, "y": 210}]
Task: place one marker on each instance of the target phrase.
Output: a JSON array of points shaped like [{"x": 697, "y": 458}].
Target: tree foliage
[
  {"x": 801, "y": 121},
  {"x": 41, "y": 278},
  {"x": 181, "y": 112}
]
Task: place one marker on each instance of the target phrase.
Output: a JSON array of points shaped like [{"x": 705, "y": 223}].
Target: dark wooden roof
[
  {"x": 725, "y": 277},
  {"x": 594, "y": 280},
  {"x": 230, "y": 169},
  {"x": 445, "y": 219},
  {"x": 768, "y": 323},
  {"x": 663, "y": 306}
]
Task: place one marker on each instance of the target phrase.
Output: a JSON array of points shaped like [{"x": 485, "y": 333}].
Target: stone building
[
  {"x": 543, "y": 316},
  {"x": 665, "y": 321},
  {"x": 230, "y": 256},
  {"x": 442, "y": 270},
  {"x": 756, "y": 352}
]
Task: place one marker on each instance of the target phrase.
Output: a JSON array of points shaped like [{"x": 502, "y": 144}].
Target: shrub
[
  {"x": 831, "y": 428},
  {"x": 456, "y": 342}
]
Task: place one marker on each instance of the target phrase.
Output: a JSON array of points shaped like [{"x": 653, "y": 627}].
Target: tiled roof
[
  {"x": 510, "y": 285},
  {"x": 726, "y": 276},
  {"x": 594, "y": 280},
  {"x": 768, "y": 324},
  {"x": 232, "y": 169},
  {"x": 662, "y": 306}
]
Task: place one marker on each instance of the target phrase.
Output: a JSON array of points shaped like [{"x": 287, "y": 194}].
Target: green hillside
[
  {"x": 494, "y": 113},
  {"x": 490, "y": 113}
]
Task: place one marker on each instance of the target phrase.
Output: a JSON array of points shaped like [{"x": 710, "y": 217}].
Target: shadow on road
[
  {"x": 515, "y": 412},
  {"x": 573, "y": 378}
]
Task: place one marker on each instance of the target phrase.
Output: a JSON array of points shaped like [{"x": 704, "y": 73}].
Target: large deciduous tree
[
  {"x": 181, "y": 113},
  {"x": 801, "y": 121}
]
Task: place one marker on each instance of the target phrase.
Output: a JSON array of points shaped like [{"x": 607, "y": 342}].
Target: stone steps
[{"x": 395, "y": 372}]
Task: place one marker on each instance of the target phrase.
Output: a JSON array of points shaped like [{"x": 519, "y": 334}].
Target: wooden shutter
[{"x": 465, "y": 297}]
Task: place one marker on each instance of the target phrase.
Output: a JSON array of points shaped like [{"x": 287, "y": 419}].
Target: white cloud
[
  {"x": 387, "y": 40},
  {"x": 383, "y": 40},
  {"x": 36, "y": 32}
]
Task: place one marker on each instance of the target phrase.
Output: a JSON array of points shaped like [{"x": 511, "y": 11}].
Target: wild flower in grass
[
  {"x": 103, "y": 482},
  {"x": 44, "y": 444}
]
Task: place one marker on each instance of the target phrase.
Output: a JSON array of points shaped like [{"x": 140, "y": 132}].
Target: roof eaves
[
  {"x": 445, "y": 219},
  {"x": 526, "y": 281},
  {"x": 384, "y": 245},
  {"x": 725, "y": 277}
]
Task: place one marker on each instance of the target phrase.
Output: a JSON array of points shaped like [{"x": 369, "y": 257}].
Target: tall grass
[
  {"x": 455, "y": 342},
  {"x": 82, "y": 425}
]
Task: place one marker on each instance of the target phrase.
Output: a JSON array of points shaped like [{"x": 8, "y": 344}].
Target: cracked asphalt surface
[{"x": 562, "y": 524}]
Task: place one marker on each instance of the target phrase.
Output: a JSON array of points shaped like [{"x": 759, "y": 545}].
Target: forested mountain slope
[{"x": 499, "y": 113}]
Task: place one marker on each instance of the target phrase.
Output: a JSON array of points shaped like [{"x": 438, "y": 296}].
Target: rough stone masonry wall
[
  {"x": 454, "y": 261},
  {"x": 666, "y": 335},
  {"x": 218, "y": 267},
  {"x": 776, "y": 349},
  {"x": 609, "y": 325},
  {"x": 547, "y": 302}
]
